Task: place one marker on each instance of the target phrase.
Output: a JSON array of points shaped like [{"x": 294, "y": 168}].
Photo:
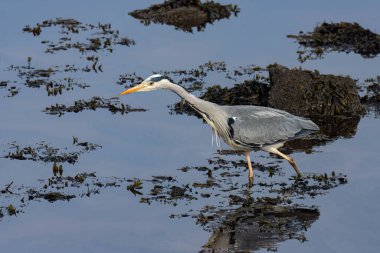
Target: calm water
[{"x": 154, "y": 142}]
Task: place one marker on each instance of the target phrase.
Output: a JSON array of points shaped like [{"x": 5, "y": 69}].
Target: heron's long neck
[
  {"x": 190, "y": 98},
  {"x": 212, "y": 113}
]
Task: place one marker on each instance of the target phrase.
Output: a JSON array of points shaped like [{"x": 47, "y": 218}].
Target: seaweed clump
[
  {"x": 340, "y": 37},
  {"x": 50, "y": 196},
  {"x": 46, "y": 153},
  {"x": 112, "y": 104},
  {"x": 12, "y": 90},
  {"x": 185, "y": 14},
  {"x": 371, "y": 99},
  {"x": 103, "y": 38},
  {"x": 33, "y": 77}
]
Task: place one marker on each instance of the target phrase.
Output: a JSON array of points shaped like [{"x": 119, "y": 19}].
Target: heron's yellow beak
[{"x": 133, "y": 89}]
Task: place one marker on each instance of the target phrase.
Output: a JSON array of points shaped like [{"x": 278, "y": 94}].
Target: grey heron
[{"x": 243, "y": 127}]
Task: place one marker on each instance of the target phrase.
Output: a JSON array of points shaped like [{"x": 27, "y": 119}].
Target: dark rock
[
  {"x": 185, "y": 14},
  {"x": 310, "y": 94},
  {"x": 341, "y": 37}
]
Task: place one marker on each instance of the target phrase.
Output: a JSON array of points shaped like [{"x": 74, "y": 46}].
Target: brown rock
[{"x": 310, "y": 94}]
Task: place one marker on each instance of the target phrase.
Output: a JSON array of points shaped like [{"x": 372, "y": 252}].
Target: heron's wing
[{"x": 256, "y": 125}]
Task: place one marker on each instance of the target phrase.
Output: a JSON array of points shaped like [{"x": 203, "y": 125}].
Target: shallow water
[{"x": 142, "y": 144}]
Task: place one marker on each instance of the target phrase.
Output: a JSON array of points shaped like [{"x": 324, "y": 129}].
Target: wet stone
[
  {"x": 340, "y": 37},
  {"x": 310, "y": 94},
  {"x": 185, "y": 15}
]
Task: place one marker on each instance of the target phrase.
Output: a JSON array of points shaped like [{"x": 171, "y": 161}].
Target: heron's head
[{"x": 153, "y": 82}]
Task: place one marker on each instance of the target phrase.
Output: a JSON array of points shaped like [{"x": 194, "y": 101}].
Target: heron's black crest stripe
[{"x": 159, "y": 78}]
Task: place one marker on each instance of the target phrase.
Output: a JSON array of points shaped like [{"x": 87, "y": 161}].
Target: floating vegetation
[
  {"x": 130, "y": 79},
  {"x": 194, "y": 79},
  {"x": 57, "y": 169},
  {"x": 11, "y": 210},
  {"x": 135, "y": 187},
  {"x": 42, "y": 78},
  {"x": 3, "y": 84},
  {"x": 340, "y": 37},
  {"x": 275, "y": 214},
  {"x": 46, "y": 153},
  {"x": 102, "y": 37},
  {"x": 49, "y": 196},
  {"x": 12, "y": 90},
  {"x": 185, "y": 14},
  {"x": 371, "y": 99},
  {"x": 111, "y": 104}
]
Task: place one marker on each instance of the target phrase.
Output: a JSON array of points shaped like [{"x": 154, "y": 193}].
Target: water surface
[{"x": 142, "y": 144}]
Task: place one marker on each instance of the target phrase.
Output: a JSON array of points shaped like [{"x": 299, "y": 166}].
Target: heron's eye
[{"x": 151, "y": 83}]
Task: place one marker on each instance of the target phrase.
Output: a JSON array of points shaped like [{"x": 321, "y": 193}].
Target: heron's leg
[
  {"x": 248, "y": 157},
  {"x": 274, "y": 150}
]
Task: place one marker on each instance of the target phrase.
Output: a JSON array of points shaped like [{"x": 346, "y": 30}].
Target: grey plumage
[
  {"x": 242, "y": 127},
  {"x": 257, "y": 126}
]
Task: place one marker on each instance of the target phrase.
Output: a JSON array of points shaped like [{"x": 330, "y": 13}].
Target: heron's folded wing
[{"x": 267, "y": 126}]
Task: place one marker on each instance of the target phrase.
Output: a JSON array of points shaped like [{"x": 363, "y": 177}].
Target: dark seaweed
[
  {"x": 42, "y": 78},
  {"x": 46, "y": 153},
  {"x": 185, "y": 14},
  {"x": 103, "y": 37},
  {"x": 340, "y": 37},
  {"x": 111, "y": 104}
]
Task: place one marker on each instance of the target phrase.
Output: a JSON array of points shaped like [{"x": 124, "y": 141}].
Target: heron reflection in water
[{"x": 243, "y": 127}]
